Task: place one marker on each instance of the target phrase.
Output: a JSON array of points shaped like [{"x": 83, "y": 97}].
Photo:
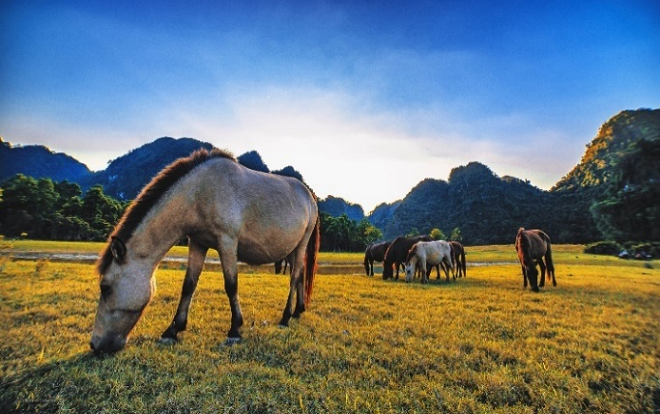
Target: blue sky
[{"x": 364, "y": 98}]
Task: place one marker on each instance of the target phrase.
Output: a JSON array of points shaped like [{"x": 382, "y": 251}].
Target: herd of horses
[
  {"x": 252, "y": 217},
  {"x": 419, "y": 254}
]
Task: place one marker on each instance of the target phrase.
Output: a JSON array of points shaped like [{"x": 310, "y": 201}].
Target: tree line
[{"x": 46, "y": 210}]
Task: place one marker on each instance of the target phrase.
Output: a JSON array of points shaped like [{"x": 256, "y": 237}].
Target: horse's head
[
  {"x": 127, "y": 285},
  {"x": 410, "y": 271},
  {"x": 532, "y": 277}
]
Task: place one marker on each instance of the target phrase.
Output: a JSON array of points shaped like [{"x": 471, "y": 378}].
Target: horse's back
[
  {"x": 433, "y": 251},
  {"x": 268, "y": 215},
  {"x": 378, "y": 251},
  {"x": 533, "y": 242}
]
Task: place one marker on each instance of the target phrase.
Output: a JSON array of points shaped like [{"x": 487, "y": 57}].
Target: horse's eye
[{"x": 106, "y": 290}]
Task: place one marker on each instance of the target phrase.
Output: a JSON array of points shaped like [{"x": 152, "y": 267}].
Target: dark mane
[
  {"x": 150, "y": 195},
  {"x": 411, "y": 252}
]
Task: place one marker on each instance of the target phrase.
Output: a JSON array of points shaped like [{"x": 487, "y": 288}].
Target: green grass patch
[{"x": 480, "y": 344}]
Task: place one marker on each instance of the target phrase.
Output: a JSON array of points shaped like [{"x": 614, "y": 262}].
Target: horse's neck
[{"x": 159, "y": 231}]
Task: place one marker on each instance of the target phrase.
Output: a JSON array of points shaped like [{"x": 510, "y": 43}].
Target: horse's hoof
[
  {"x": 167, "y": 340},
  {"x": 232, "y": 341},
  {"x": 281, "y": 326}
]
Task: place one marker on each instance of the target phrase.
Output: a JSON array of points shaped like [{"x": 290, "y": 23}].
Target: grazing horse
[
  {"x": 429, "y": 253},
  {"x": 217, "y": 203},
  {"x": 396, "y": 254},
  {"x": 375, "y": 253},
  {"x": 533, "y": 246},
  {"x": 458, "y": 254},
  {"x": 280, "y": 266}
]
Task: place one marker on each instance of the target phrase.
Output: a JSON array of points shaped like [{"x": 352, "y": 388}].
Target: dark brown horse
[
  {"x": 375, "y": 253},
  {"x": 458, "y": 254},
  {"x": 533, "y": 246},
  {"x": 396, "y": 254},
  {"x": 218, "y": 204}
]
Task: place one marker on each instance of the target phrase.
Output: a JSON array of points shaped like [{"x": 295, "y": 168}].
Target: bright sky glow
[{"x": 364, "y": 99}]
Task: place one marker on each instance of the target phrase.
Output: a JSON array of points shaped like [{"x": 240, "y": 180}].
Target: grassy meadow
[{"x": 478, "y": 345}]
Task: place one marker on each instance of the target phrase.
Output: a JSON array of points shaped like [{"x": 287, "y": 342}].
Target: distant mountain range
[
  {"x": 39, "y": 161},
  {"x": 474, "y": 200}
]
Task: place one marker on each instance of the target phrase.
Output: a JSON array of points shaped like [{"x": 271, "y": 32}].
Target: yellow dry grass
[{"x": 480, "y": 344}]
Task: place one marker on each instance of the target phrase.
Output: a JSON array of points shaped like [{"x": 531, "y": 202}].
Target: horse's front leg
[
  {"x": 196, "y": 256},
  {"x": 542, "y": 267}
]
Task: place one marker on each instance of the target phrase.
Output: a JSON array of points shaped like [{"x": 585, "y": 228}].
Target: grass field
[{"x": 480, "y": 344}]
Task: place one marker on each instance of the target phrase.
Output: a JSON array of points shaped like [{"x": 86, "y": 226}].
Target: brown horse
[
  {"x": 217, "y": 203},
  {"x": 458, "y": 254},
  {"x": 375, "y": 253},
  {"x": 533, "y": 246},
  {"x": 396, "y": 254}
]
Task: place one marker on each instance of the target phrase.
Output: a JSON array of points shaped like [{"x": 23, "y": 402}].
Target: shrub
[{"x": 603, "y": 247}]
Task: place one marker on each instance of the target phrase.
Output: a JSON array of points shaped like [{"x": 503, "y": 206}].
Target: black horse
[
  {"x": 533, "y": 246},
  {"x": 396, "y": 254},
  {"x": 458, "y": 255},
  {"x": 375, "y": 253}
]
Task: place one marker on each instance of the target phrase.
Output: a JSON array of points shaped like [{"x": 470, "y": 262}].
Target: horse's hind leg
[
  {"x": 228, "y": 260},
  {"x": 295, "y": 288},
  {"x": 542, "y": 268},
  {"x": 551, "y": 269},
  {"x": 196, "y": 255}
]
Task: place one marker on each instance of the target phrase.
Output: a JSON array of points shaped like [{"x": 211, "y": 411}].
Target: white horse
[{"x": 429, "y": 253}]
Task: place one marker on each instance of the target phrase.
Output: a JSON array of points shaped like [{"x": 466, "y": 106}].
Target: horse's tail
[
  {"x": 367, "y": 256},
  {"x": 548, "y": 253},
  {"x": 311, "y": 256}
]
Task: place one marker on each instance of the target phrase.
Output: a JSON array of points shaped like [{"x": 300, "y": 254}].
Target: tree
[
  {"x": 24, "y": 208},
  {"x": 456, "y": 234},
  {"x": 368, "y": 234},
  {"x": 437, "y": 234},
  {"x": 101, "y": 212},
  {"x": 343, "y": 234},
  {"x": 629, "y": 209}
]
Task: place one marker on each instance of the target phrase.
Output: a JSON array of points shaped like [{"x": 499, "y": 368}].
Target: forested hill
[
  {"x": 39, "y": 162},
  {"x": 128, "y": 174},
  {"x": 336, "y": 206},
  {"x": 611, "y": 194},
  {"x": 625, "y": 133},
  {"x": 474, "y": 204}
]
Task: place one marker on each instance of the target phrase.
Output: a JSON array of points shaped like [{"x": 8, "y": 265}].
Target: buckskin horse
[
  {"x": 533, "y": 246},
  {"x": 375, "y": 252},
  {"x": 396, "y": 254},
  {"x": 217, "y": 203}
]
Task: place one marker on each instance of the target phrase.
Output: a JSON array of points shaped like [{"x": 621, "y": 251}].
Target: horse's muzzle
[{"x": 107, "y": 345}]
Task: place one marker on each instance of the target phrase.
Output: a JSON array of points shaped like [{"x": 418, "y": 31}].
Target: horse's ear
[{"x": 118, "y": 249}]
